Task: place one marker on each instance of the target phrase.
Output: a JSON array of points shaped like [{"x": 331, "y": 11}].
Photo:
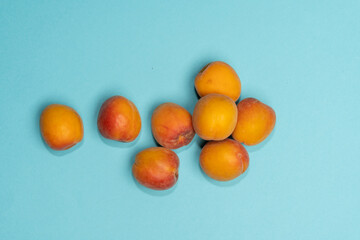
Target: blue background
[{"x": 300, "y": 57}]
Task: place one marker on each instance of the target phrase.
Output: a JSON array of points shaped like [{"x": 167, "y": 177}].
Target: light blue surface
[{"x": 303, "y": 59}]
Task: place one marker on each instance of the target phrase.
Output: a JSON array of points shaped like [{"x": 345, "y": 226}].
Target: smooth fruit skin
[
  {"x": 61, "y": 127},
  {"x": 224, "y": 160},
  {"x": 214, "y": 117},
  {"x": 171, "y": 125},
  {"x": 255, "y": 121},
  {"x": 119, "y": 119},
  {"x": 218, "y": 77},
  {"x": 156, "y": 168}
]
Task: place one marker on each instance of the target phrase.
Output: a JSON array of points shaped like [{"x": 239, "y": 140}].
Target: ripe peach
[
  {"x": 61, "y": 126},
  {"x": 218, "y": 77},
  {"x": 119, "y": 119},
  {"x": 156, "y": 168},
  {"x": 171, "y": 125},
  {"x": 255, "y": 121},
  {"x": 224, "y": 160},
  {"x": 214, "y": 117}
]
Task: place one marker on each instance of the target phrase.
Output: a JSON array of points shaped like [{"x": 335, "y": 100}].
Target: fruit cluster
[{"x": 215, "y": 118}]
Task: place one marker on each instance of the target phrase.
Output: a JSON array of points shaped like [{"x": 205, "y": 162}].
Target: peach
[
  {"x": 61, "y": 127},
  {"x": 218, "y": 77},
  {"x": 214, "y": 117},
  {"x": 255, "y": 121},
  {"x": 171, "y": 125},
  {"x": 156, "y": 168},
  {"x": 224, "y": 160},
  {"x": 119, "y": 119}
]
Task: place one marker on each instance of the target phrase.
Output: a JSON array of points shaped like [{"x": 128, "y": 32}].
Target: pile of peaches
[{"x": 215, "y": 118}]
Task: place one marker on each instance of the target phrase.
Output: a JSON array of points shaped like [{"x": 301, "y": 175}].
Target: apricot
[
  {"x": 218, "y": 77},
  {"x": 214, "y": 117},
  {"x": 255, "y": 121},
  {"x": 171, "y": 125},
  {"x": 156, "y": 168},
  {"x": 119, "y": 119},
  {"x": 61, "y": 127},
  {"x": 224, "y": 160}
]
